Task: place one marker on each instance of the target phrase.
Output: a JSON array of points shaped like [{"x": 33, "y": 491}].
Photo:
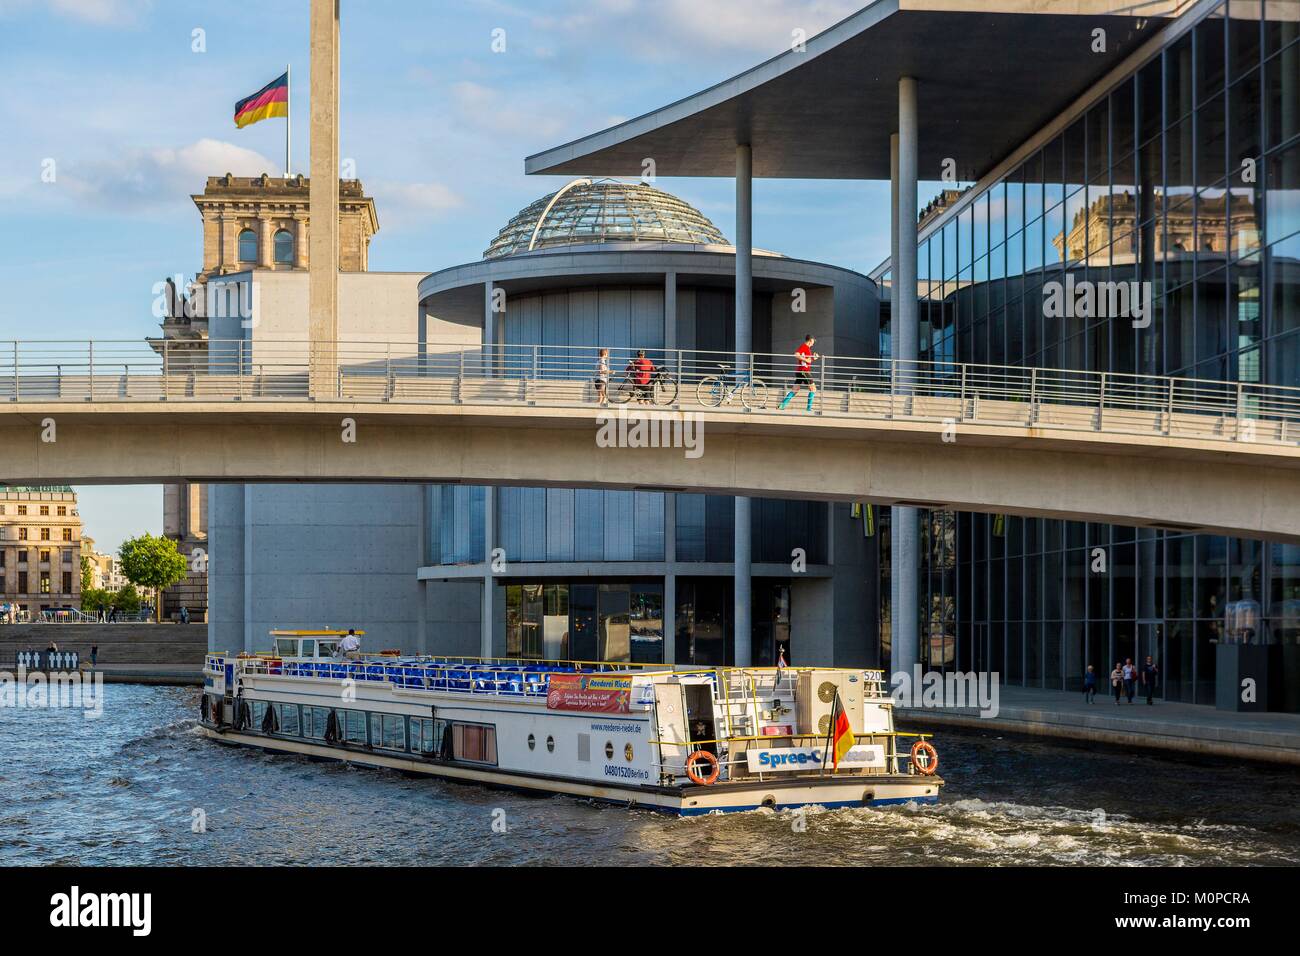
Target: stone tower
[{"x": 250, "y": 224}]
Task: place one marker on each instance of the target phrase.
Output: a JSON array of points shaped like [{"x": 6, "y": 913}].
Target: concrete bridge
[{"x": 1183, "y": 454}]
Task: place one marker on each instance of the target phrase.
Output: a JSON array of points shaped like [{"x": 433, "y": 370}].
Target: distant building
[
  {"x": 250, "y": 224},
  {"x": 105, "y": 569},
  {"x": 40, "y": 547}
]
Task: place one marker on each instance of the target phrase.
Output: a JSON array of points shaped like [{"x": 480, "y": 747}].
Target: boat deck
[{"x": 450, "y": 675}]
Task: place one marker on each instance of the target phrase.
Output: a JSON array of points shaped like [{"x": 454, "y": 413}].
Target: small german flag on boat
[
  {"x": 842, "y": 735},
  {"x": 271, "y": 100}
]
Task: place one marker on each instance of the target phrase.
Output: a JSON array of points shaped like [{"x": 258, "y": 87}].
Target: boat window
[
  {"x": 258, "y": 712},
  {"x": 328, "y": 648},
  {"x": 609, "y": 750},
  {"x": 288, "y": 714},
  {"x": 426, "y": 735},
  {"x": 286, "y": 647},
  {"x": 550, "y": 745},
  {"x": 388, "y": 731},
  {"x": 476, "y": 742},
  {"x": 308, "y": 649},
  {"x": 314, "y": 720},
  {"x": 354, "y": 726},
  {"x": 532, "y": 742}
]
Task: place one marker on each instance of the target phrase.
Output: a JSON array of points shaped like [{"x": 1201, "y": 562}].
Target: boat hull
[{"x": 730, "y": 797}]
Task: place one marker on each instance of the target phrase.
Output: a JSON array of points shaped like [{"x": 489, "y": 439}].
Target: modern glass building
[
  {"x": 1153, "y": 147},
  {"x": 640, "y": 575},
  {"x": 1182, "y": 174}
]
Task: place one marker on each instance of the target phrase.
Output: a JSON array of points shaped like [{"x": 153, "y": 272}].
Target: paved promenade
[{"x": 1188, "y": 728}]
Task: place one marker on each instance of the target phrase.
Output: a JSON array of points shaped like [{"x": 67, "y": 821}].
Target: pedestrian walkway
[{"x": 1189, "y": 728}]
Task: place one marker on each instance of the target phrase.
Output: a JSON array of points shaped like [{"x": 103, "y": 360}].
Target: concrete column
[
  {"x": 422, "y": 558},
  {"x": 487, "y": 616},
  {"x": 300, "y": 259},
  {"x": 323, "y": 281},
  {"x": 903, "y": 344},
  {"x": 670, "y": 312},
  {"x": 670, "y": 577},
  {"x": 265, "y": 243},
  {"x": 489, "y": 328},
  {"x": 744, "y": 343}
]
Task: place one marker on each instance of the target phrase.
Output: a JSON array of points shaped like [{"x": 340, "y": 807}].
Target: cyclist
[
  {"x": 804, "y": 356},
  {"x": 640, "y": 372}
]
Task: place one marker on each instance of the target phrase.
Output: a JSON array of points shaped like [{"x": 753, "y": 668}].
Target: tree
[
  {"x": 152, "y": 562},
  {"x": 87, "y": 575},
  {"x": 94, "y": 600}
]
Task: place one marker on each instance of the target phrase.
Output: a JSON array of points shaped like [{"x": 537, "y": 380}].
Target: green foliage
[
  {"x": 94, "y": 600},
  {"x": 87, "y": 575},
  {"x": 152, "y": 562}
]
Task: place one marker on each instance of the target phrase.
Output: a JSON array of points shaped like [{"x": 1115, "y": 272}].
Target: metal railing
[{"x": 442, "y": 373}]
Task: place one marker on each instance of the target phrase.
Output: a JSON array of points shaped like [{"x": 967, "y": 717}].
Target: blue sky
[{"x": 436, "y": 123}]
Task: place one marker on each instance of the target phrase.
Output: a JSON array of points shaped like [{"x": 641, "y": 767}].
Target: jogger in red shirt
[{"x": 804, "y": 356}]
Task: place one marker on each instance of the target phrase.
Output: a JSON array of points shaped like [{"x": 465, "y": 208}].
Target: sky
[{"x": 113, "y": 112}]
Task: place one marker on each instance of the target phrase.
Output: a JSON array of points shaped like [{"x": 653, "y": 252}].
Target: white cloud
[
  {"x": 106, "y": 12},
  {"x": 400, "y": 204},
  {"x": 160, "y": 177},
  {"x": 515, "y": 115}
]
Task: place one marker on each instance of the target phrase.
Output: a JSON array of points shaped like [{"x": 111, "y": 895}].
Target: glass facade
[{"x": 1184, "y": 178}]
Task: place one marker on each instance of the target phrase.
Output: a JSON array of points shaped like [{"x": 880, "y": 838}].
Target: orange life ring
[
  {"x": 708, "y": 758},
  {"x": 931, "y": 764}
]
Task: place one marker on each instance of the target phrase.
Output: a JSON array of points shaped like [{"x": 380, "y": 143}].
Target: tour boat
[{"x": 686, "y": 740}]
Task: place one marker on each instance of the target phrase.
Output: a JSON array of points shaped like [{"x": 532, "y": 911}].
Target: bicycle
[
  {"x": 662, "y": 389},
  {"x": 713, "y": 391}
]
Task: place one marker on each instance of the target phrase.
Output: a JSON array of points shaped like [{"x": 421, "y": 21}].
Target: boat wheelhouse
[{"x": 688, "y": 741}]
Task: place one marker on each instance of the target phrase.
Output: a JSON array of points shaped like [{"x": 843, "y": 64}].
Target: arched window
[
  {"x": 284, "y": 247},
  {"x": 248, "y": 246}
]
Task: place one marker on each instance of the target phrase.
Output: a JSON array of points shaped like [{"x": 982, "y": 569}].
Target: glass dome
[{"x": 607, "y": 210}]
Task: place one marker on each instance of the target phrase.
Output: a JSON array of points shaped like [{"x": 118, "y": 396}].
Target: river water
[{"x": 124, "y": 788}]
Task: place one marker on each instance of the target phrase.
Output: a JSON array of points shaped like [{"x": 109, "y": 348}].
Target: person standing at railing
[
  {"x": 804, "y": 357},
  {"x": 602, "y": 376},
  {"x": 350, "y": 646}
]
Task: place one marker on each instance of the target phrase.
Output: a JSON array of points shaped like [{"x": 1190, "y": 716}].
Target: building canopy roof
[{"x": 989, "y": 74}]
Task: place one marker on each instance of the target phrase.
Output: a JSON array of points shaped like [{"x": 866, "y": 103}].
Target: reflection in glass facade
[{"x": 1186, "y": 176}]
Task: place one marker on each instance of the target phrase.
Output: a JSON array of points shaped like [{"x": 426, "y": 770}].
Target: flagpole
[
  {"x": 830, "y": 733},
  {"x": 288, "y": 121}
]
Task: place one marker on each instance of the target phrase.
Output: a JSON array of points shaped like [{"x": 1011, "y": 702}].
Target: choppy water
[{"x": 122, "y": 790}]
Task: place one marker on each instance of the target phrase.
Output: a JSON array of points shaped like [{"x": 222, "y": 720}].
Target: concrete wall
[
  {"x": 289, "y": 556},
  {"x": 452, "y": 610}
]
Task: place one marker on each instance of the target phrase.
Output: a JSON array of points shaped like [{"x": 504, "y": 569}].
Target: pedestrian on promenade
[
  {"x": 1150, "y": 675},
  {"x": 112, "y": 614},
  {"x": 185, "y": 614},
  {"x": 602, "y": 376},
  {"x": 1117, "y": 681},
  {"x": 1089, "y": 685},
  {"x": 1130, "y": 679},
  {"x": 804, "y": 358},
  {"x": 94, "y": 654}
]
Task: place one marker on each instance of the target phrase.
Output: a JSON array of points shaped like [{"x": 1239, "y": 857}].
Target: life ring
[
  {"x": 705, "y": 757},
  {"x": 930, "y": 766}
]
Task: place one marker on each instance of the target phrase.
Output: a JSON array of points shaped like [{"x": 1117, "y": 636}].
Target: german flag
[
  {"x": 271, "y": 100},
  {"x": 842, "y": 736}
]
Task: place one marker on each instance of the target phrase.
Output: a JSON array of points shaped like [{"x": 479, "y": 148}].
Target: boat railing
[
  {"x": 501, "y": 678},
  {"x": 896, "y": 762}
]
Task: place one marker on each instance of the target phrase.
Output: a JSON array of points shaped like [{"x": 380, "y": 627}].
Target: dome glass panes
[{"x": 606, "y": 211}]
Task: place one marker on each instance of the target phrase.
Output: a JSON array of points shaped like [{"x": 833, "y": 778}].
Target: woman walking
[
  {"x": 602, "y": 376},
  {"x": 1117, "y": 681},
  {"x": 1089, "y": 685}
]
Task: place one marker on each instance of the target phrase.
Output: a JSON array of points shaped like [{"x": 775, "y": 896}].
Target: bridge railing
[{"x": 691, "y": 379}]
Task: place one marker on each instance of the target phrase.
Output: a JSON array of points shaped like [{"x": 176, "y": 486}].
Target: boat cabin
[{"x": 309, "y": 644}]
